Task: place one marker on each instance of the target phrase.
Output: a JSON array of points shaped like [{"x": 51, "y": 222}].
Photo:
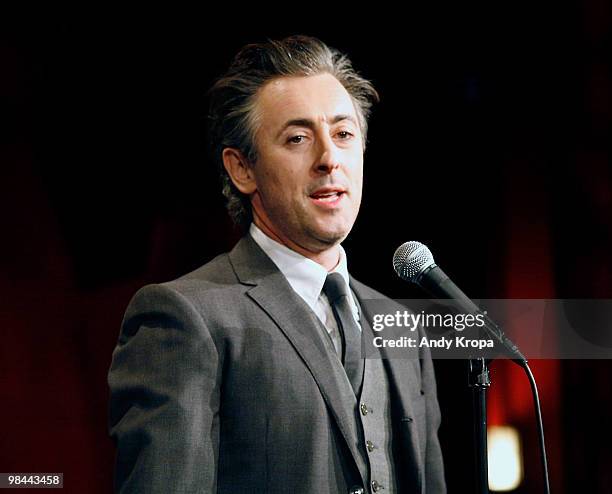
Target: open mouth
[{"x": 327, "y": 197}]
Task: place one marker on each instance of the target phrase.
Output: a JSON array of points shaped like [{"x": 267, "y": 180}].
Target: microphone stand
[{"x": 479, "y": 381}]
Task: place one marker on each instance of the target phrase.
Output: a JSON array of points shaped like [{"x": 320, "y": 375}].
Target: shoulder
[
  {"x": 373, "y": 298},
  {"x": 218, "y": 286},
  {"x": 364, "y": 291},
  {"x": 214, "y": 279}
]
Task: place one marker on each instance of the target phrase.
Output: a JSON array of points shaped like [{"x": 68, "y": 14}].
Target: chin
[{"x": 330, "y": 237}]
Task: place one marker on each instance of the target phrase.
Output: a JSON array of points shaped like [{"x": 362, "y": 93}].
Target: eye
[
  {"x": 344, "y": 134},
  {"x": 298, "y": 139}
]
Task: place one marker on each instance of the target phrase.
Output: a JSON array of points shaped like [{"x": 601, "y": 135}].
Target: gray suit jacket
[{"x": 222, "y": 382}]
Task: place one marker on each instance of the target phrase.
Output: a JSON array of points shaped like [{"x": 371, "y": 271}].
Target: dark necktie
[{"x": 338, "y": 295}]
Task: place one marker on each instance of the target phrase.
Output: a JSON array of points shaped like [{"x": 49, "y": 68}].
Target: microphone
[{"x": 414, "y": 262}]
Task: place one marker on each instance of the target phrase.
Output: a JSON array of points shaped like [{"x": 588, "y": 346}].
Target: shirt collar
[{"x": 305, "y": 276}]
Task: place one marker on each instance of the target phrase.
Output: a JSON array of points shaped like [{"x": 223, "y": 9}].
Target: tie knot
[{"x": 334, "y": 287}]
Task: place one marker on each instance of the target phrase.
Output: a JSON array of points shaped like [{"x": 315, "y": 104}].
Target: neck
[{"x": 328, "y": 258}]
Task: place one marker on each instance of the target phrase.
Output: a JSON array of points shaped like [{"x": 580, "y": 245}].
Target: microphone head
[{"x": 411, "y": 259}]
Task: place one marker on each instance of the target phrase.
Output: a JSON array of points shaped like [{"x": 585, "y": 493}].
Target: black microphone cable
[{"x": 540, "y": 424}]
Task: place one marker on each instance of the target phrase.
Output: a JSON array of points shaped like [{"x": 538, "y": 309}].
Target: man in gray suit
[{"x": 247, "y": 374}]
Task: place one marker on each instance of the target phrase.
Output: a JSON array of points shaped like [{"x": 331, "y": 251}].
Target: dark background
[{"x": 491, "y": 145}]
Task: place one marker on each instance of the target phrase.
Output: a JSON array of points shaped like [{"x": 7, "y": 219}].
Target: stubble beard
[
  {"x": 302, "y": 229},
  {"x": 323, "y": 240}
]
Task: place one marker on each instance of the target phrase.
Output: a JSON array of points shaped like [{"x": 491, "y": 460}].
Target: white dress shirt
[{"x": 307, "y": 277}]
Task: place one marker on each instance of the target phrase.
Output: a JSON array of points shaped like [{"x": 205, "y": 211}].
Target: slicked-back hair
[{"x": 232, "y": 120}]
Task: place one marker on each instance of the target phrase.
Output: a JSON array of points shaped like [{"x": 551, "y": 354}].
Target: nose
[{"x": 328, "y": 158}]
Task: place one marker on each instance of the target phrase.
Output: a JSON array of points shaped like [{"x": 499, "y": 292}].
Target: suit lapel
[{"x": 272, "y": 292}]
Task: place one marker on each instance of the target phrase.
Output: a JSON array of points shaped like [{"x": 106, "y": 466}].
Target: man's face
[{"x": 310, "y": 161}]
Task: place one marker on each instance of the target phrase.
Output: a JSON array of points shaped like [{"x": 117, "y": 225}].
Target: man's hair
[{"x": 232, "y": 121}]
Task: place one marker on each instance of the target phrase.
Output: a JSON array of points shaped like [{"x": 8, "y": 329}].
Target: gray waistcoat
[
  {"x": 375, "y": 421},
  {"x": 376, "y": 426}
]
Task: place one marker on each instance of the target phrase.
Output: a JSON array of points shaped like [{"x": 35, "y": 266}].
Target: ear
[{"x": 237, "y": 167}]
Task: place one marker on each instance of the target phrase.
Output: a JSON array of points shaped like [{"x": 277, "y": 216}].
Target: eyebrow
[{"x": 306, "y": 122}]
